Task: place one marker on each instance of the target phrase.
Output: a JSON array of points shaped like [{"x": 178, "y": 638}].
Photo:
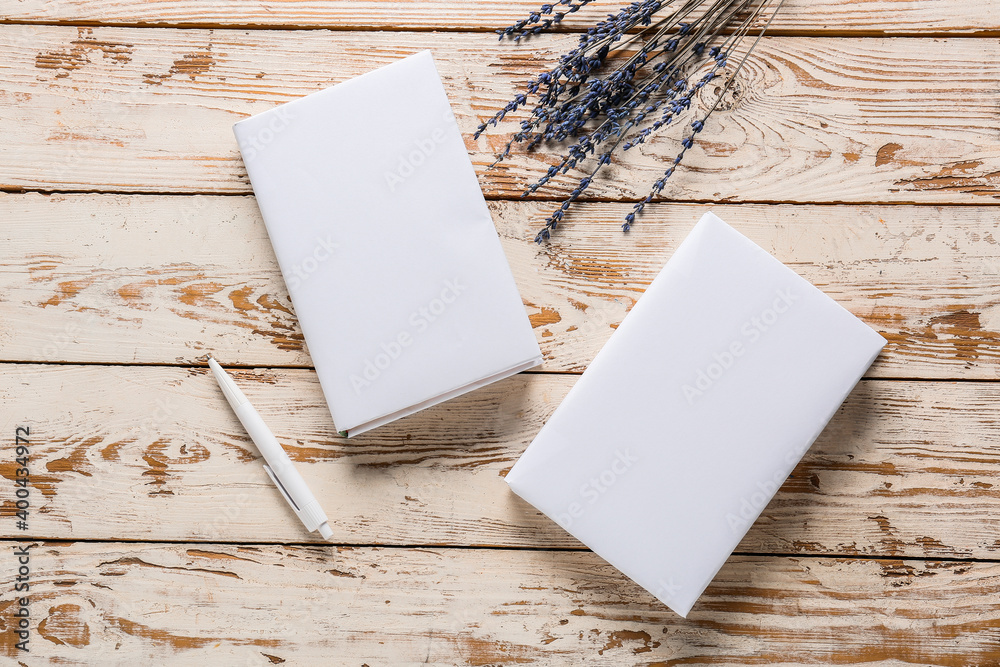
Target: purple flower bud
[{"x": 596, "y": 111}]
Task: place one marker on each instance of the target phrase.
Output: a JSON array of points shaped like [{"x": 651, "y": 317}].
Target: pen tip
[
  {"x": 325, "y": 530},
  {"x": 229, "y": 388}
]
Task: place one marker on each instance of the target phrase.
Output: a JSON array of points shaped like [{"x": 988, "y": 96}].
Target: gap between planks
[
  {"x": 543, "y": 199},
  {"x": 301, "y": 367},
  {"x": 982, "y": 33},
  {"x": 470, "y": 547}
]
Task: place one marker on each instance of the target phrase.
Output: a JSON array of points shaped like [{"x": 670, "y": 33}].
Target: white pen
[{"x": 279, "y": 467}]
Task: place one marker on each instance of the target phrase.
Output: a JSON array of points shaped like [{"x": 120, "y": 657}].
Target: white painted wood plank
[
  {"x": 124, "y": 604},
  {"x": 155, "y": 453},
  {"x": 170, "y": 279},
  {"x": 812, "y": 120},
  {"x": 823, "y": 16}
]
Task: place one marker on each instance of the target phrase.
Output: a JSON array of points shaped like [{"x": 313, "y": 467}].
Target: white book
[
  {"x": 391, "y": 258},
  {"x": 699, "y": 406}
]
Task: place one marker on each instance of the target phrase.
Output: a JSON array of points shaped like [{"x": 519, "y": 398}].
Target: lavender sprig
[
  {"x": 535, "y": 24},
  {"x": 605, "y": 111}
]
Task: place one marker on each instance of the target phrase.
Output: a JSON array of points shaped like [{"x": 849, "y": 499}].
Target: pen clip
[{"x": 281, "y": 488}]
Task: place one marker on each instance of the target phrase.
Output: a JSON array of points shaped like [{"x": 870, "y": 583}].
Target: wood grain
[
  {"x": 864, "y": 17},
  {"x": 155, "y": 453},
  {"x": 880, "y": 549},
  {"x": 122, "y": 604},
  {"x": 170, "y": 279},
  {"x": 811, "y": 120}
]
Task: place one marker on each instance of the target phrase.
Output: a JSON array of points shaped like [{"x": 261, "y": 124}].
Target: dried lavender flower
[{"x": 602, "y": 111}]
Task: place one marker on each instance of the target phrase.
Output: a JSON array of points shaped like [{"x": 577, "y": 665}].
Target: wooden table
[{"x": 861, "y": 146}]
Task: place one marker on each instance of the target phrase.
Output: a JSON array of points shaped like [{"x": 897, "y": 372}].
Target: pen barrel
[
  {"x": 299, "y": 492},
  {"x": 312, "y": 515},
  {"x": 292, "y": 485},
  {"x": 261, "y": 435}
]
